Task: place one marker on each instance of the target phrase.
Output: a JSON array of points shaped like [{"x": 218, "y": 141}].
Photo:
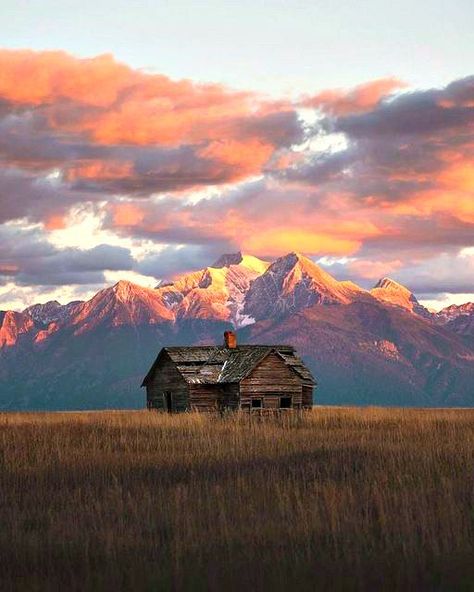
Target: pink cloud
[{"x": 359, "y": 99}]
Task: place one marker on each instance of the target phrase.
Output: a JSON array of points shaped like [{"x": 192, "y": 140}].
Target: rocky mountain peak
[
  {"x": 228, "y": 259},
  {"x": 12, "y": 325},
  {"x": 294, "y": 282},
  {"x": 387, "y": 283},
  {"x": 455, "y": 310},
  {"x": 244, "y": 261},
  {"x": 304, "y": 266},
  {"x": 125, "y": 290},
  {"x": 391, "y": 292},
  {"x": 51, "y": 311},
  {"x": 125, "y": 303},
  {"x": 458, "y": 318},
  {"x": 216, "y": 292},
  {"x": 49, "y": 306}
]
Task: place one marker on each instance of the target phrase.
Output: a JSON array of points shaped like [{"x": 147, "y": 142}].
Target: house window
[
  {"x": 286, "y": 403},
  {"x": 257, "y": 403}
]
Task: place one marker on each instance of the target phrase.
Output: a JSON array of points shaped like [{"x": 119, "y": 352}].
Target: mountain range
[{"x": 378, "y": 346}]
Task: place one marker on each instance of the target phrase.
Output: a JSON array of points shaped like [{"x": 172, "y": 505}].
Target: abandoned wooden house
[{"x": 228, "y": 377}]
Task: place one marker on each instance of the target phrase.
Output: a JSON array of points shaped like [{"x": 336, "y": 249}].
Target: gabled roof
[{"x": 220, "y": 364}]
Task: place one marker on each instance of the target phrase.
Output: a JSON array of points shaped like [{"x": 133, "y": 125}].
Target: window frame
[{"x": 288, "y": 397}]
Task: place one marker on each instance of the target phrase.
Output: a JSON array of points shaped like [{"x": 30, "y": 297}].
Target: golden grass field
[{"x": 339, "y": 499}]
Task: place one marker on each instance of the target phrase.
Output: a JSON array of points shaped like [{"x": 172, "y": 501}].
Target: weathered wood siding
[
  {"x": 271, "y": 379},
  {"x": 307, "y": 396},
  {"x": 231, "y": 396},
  {"x": 205, "y": 397},
  {"x": 167, "y": 378}
]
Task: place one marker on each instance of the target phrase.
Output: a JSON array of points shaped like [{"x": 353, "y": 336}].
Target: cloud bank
[{"x": 380, "y": 177}]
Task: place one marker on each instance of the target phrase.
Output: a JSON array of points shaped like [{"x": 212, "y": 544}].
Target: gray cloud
[
  {"x": 282, "y": 129},
  {"x": 24, "y": 195},
  {"x": 445, "y": 273},
  {"x": 174, "y": 260},
  {"x": 37, "y": 140},
  {"x": 28, "y": 259},
  {"x": 432, "y": 274},
  {"x": 414, "y": 113},
  {"x": 395, "y": 148}
]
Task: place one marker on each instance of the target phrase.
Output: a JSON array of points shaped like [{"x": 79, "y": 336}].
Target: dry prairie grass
[{"x": 337, "y": 499}]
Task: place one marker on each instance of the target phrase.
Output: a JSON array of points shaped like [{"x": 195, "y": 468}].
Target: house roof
[{"x": 220, "y": 364}]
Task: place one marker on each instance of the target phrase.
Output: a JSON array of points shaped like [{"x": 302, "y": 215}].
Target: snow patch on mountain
[
  {"x": 51, "y": 311},
  {"x": 455, "y": 311},
  {"x": 294, "y": 282},
  {"x": 458, "y": 318},
  {"x": 216, "y": 292}
]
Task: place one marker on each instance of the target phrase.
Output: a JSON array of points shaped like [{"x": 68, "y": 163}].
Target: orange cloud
[
  {"x": 452, "y": 195},
  {"x": 372, "y": 270},
  {"x": 55, "y": 222},
  {"x": 277, "y": 241},
  {"x": 427, "y": 203},
  {"x": 34, "y": 78},
  {"x": 356, "y": 229},
  {"x": 100, "y": 106},
  {"x": 266, "y": 223},
  {"x": 99, "y": 170},
  {"x": 249, "y": 157},
  {"x": 113, "y": 102},
  {"x": 357, "y": 100},
  {"x": 127, "y": 214},
  {"x": 460, "y": 175}
]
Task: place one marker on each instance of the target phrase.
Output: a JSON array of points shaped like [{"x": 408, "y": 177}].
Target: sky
[{"x": 139, "y": 140}]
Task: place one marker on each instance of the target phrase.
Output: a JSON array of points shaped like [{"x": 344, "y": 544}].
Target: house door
[{"x": 169, "y": 401}]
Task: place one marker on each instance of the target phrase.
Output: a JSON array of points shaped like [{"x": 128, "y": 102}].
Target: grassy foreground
[{"x": 337, "y": 499}]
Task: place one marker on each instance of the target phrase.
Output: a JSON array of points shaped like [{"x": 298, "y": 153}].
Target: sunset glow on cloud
[
  {"x": 362, "y": 98},
  {"x": 162, "y": 163}
]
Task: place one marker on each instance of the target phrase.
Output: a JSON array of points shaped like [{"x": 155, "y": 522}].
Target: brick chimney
[{"x": 230, "y": 339}]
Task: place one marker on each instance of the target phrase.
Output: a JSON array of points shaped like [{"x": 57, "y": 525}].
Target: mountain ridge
[
  {"x": 365, "y": 347},
  {"x": 236, "y": 288},
  {"x": 458, "y": 318}
]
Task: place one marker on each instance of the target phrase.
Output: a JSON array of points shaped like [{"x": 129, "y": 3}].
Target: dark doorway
[
  {"x": 286, "y": 403},
  {"x": 169, "y": 401}
]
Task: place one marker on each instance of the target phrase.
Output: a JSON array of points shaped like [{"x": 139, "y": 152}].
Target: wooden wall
[
  {"x": 307, "y": 396},
  {"x": 205, "y": 397},
  {"x": 231, "y": 396},
  {"x": 213, "y": 397},
  {"x": 167, "y": 378},
  {"x": 270, "y": 380}
]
